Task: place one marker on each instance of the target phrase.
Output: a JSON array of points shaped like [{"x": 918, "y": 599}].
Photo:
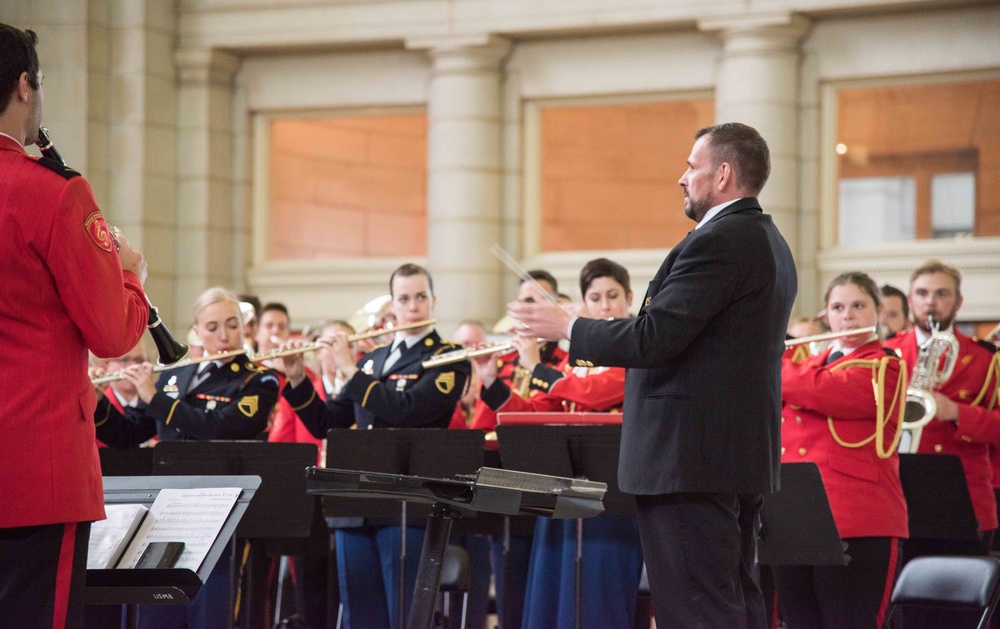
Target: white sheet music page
[
  {"x": 192, "y": 516},
  {"x": 110, "y": 537}
]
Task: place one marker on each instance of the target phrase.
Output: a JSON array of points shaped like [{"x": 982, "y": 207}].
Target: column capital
[
  {"x": 206, "y": 65},
  {"x": 457, "y": 53},
  {"x": 759, "y": 32}
]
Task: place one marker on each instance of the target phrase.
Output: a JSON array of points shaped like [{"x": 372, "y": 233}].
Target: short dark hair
[
  {"x": 408, "y": 270},
  {"x": 17, "y": 55},
  {"x": 274, "y": 305},
  {"x": 543, "y": 276},
  {"x": 742, "y": 148},
  {"x": 602, "y": 267},
  {"x": 891, "y": 291},
  {"x": 859, "y": 279}
]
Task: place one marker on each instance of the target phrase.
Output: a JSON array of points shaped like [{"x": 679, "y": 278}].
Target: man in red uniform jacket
[
  {"x": 967, "y": 421},
  {"x": 64, "y": 290}
]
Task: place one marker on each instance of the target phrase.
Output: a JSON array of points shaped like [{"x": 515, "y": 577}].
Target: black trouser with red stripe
[
  {"x": 854, "y": 596},
  {"x": 42, "y": 573}
]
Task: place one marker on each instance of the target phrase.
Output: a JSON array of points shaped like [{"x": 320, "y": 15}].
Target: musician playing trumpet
[
  {"x": 831, "y": 417},
  {"x": 967, "y": 420}
]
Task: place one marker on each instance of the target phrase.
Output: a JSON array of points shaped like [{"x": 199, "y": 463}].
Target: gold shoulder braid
[
  {"x": 992, "y": 373},
  {"x": 882, "y": 414}
]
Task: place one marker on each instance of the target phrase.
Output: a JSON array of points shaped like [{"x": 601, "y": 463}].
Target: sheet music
[
  {"x": 192, "y": 516},
  {"x": 110, "y": 537}
]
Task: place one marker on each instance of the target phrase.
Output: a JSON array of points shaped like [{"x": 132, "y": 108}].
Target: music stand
[
  {"x": 576, "y": 451},
  {"x": 939, "y": 505},
  {"x": 131, "y": 462},
  {"x": 403, "y": 451},
  {"x": 281, "y": 509},
  {"x": 156, "y": 585},
  {"x": 797, "y": 526}
]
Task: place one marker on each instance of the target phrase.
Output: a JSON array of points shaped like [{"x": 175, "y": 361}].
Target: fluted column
[
  {"x": 204, "y": 172},
  {"x": 757, "y": 84},
  {"x": 464, "y": 175}
]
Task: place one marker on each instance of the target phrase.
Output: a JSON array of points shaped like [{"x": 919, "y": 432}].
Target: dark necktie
[
  {"x": 837, "y": 355},
  {"x": 204, "y": 375}
]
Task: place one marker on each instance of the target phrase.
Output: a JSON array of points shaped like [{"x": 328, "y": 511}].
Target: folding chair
[{"x": 952, "y": 592}]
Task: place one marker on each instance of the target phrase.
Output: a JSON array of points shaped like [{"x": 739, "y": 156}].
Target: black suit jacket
[
  {"x": 405, "y": 396},
  {"x": 703, "y": 389}
]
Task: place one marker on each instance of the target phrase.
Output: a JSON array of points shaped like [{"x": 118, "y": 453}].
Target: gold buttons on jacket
[
  {"x": 802, "y": 451},
  {"x": 584, "y": 363},
  {"x": 938, "y": 447},
  {"x": 966, "y": 438},
  {"x": 798, "y": 419}
]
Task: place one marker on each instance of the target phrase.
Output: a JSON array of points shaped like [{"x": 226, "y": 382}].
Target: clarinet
[{"x": 169, "y": 350}]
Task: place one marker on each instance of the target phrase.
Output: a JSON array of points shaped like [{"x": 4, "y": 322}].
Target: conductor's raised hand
[{"x": 540, "y": 319}]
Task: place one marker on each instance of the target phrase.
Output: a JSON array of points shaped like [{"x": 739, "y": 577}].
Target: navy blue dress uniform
[
  {"x": 403, "y": 396},
  {"x": 232, "y": 402}
]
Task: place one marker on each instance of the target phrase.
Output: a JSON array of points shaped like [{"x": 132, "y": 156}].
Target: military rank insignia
[
  {"x": 248, "y": 405},
  {"x": 445, "y": 382}
]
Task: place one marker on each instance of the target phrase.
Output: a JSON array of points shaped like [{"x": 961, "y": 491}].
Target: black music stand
[
  {"x": 797, "y": 526},
  {"x": 131, "y": 462},
  {"x": 163, "y": 586},
  {"x": 491, "y": 490},
  {"x": 281, "y": 508},
  {"x": 403, "y": 451},
  {"x": 575, "y": 451},
  {"x": 942, "y": 519}
]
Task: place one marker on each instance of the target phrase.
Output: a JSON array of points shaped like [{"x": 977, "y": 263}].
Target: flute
[
  {"x": 279, "y": 353},
  {"x": 118, "y": 375}
]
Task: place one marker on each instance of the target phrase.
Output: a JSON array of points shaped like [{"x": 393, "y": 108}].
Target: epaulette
[
  {"x": 890, "y": 352},
  {"x": 63, "y": 171},
  {"x": 986, "y": 345},
  {"x": 447, "y": 346}
]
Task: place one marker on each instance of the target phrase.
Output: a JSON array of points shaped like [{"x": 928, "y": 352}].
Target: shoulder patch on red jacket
[
  {"x": 98, "y": 230},
  {"x": 59, "y": 169}
]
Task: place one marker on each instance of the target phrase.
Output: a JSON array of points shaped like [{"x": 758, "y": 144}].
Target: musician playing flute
[
  {"x": 65, "y": 289},
  {"x": 387, "y": 388},
  {"x": 831, "y": 417}
]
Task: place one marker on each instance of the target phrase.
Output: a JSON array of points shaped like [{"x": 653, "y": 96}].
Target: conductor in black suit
[{"x": 701, "y": 424}]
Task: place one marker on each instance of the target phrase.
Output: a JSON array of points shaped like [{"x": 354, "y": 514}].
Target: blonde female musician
[
  {"x": 224, "y": 399},
  {"x": 841, "y": 410},
  {"x": 612, "y": 555}
]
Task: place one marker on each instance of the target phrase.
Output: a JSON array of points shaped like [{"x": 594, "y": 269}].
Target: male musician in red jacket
[
  {"x": 65, "y": 289},
  {"x": 967, "y": 420}
]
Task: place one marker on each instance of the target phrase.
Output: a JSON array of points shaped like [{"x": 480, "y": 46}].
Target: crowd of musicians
[{"x": 842, "y": 409}]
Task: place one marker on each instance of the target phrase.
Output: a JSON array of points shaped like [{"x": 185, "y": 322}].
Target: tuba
[
  {"x": 928, "y": 374},
  {"x": 169, "y": 349}
]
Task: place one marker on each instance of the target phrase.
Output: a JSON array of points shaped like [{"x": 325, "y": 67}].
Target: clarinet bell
[{"x": 169, "y": 349}]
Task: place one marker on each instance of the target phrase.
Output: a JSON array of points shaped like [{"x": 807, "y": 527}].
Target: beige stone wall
[{"x": 166, "y": 105}]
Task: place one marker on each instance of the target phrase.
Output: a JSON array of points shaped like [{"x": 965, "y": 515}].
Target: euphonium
[
  {"x": 169, "y": 349},
  {"x": 928, "y": 374}
]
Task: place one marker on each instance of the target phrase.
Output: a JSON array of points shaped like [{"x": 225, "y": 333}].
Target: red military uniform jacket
[
  {"x": 562, "y": 388},
  {"x": 826, "y": 403},
  {"x": 973, "y": 386},
  {"x": 286, "y": 425},
  {"x": 511, "y": 375},
  {"x": 63, "y": 292}
]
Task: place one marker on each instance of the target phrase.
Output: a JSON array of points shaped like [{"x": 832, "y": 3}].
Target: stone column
[
  {"x": 204, "y": 172},
  {"x": 464, "y": 175},
  {"x": 757, "y": 84}
]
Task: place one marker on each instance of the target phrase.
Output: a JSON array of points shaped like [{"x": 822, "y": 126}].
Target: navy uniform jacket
[
  {"x": 406, "y": 396},
  {"x": 232, "y": 403},
  {"x": 703, "y": 390}
]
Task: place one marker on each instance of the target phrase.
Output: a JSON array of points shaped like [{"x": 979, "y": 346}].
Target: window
[
  {"x": 918, "y": 162},
  {"x": 609, "y": 173},
  {"x": 348, "y": 186}
]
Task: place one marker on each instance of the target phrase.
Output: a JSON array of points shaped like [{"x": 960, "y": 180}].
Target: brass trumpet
[
  {"x": 118, "y": 375},
  {"x": 309, "y": 347}
]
